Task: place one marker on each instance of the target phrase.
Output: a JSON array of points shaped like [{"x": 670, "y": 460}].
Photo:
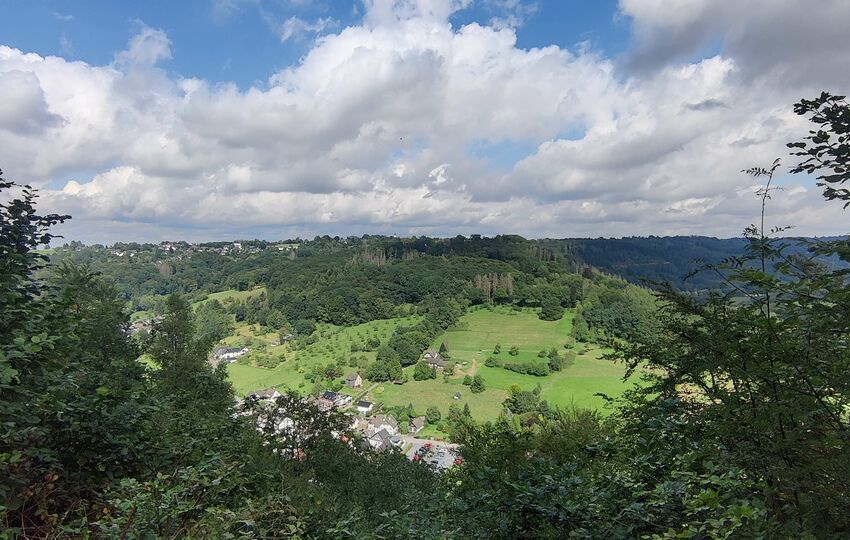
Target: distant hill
[{"x": 645, "y": 260}]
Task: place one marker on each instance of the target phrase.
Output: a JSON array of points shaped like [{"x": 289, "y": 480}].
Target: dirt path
[{"x": 365, "y": 392}]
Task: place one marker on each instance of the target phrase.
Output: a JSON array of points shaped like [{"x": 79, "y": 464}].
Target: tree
[
  {"x": 423, "y": 372},
  {"x": 477, "y": 385},
  {"x": 759, "y": 376},
  {"x": 432, "y": 415},
  {"x": 212, "y": 322},
  {"x": 828, "y": 146},
  {"x": 304, "y": 327},
  {"x": 467, "y": 380},
  {"x": 444, "y": 350},
  {"x": 550, "y": 309},
  {"x": 497, "y": 349},
  {"x": 514, "y": 351}
]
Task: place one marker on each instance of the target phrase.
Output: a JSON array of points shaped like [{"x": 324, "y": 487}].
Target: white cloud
[
  {"x": 295, "y": 28},
  {"x": 397, "y": 125}
]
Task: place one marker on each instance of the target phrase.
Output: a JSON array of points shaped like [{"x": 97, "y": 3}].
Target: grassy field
[
  {"x": 575, "y": 385},
  {"x": 479, "y": 331},
  {"x": 436, "y": 393},
  {"x": 233, "y": 295},
  {"x": 334, "y": 342},
  {"x": 471, "y": 342}
]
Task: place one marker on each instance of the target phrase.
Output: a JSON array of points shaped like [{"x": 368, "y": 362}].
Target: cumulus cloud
[{"x": 396, "y": 125}]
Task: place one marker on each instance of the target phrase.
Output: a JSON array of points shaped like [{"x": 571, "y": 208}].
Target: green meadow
[
  {"x": 469, "y": 344},
  {"x": 333, "y": 342}
]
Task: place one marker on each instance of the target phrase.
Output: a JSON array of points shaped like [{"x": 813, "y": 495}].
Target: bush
[
  {"x": 491, "y": 362},
  {"x": 467, "y": 380},
  {"x": 514, "y": 351}
]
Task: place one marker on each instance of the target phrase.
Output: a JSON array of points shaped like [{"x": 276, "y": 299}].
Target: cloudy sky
[{"x": 219, "y": 119}]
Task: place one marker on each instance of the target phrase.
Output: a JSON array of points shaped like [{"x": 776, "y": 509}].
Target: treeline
[{"x": 357, "y": 280}]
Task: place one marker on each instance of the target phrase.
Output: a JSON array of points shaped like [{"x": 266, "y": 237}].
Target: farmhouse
[
  {"x": 417, "y": 424},
  {"x": 433, "y": 359},
  {"x": 354, "y": 380},
  {"x": 228, "y": 354}
]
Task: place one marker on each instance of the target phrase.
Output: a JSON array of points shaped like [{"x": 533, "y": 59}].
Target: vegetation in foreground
[{"x": 741, "y": 431}]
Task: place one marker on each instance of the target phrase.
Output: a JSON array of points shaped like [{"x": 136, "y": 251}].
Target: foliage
[
  {"x": 828, "y": 146},
  {"x": 422, "y": 372}
]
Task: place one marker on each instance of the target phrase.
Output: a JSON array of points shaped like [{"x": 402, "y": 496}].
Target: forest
[{"x": 740, "y": 427}]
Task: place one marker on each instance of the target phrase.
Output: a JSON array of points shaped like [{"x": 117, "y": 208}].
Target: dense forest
[{"x": 740, "y": 430}]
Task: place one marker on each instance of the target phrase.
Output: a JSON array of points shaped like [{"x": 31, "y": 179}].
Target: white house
[
  {"x": 364, "y": 407},
  {"x": 229, "y": 354}
]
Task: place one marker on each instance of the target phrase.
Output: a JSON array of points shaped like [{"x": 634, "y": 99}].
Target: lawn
[
  {"x": 472, "y": 341},
  {"x": 423, "y": 394},
  {"x": 575, "y": 385},
  {"x": 233, "y": 295},
  {"x": 480, "y": 330},
  {"x": 333, "y": 342}
]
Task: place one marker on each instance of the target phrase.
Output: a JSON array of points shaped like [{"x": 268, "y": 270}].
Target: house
[
  {"x": 381, "y": 440},
  {"x": 329, "y": 400},
  {"x": 326, "y": 401},
  {"x": 417, "y": 424},
  {"x": 457, "y": 395},
  {"x": 228, "y": 354},
  {"x": 433, "y": 359},
  {"x": 266, "y": 394},
  {"x": 364, "y": 407},
  {"x": 354, "y": 380},
  {"x": 383, "y": 422}
]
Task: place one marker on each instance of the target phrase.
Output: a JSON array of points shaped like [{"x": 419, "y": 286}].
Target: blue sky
[
  {"x": 240, "y": 41},
  {"x": 216, "y": 119}
]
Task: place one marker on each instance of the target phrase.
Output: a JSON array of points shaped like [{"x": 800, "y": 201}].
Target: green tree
[
  {"x": 212, "y": 322},
  {"x": 477, "y": 385},
  {"x": 551, "y": 309},
  {"x": 432, "y": 415},
  {"x": 422, "y": 372}
]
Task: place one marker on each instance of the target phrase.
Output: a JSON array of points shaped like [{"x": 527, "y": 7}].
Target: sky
[{"x": 225, "y": 119}]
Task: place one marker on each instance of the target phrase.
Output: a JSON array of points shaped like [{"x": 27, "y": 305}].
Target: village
[{"x": 375, "y": 431}]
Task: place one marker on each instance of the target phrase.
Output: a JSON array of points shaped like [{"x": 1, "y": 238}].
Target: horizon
[{"x": 255, "y": 119}]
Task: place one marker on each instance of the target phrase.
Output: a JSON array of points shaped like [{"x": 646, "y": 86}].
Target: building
[
  {"x": 354, "y": 380},
  {"x": 433, "y": 359},
  {"x": 417, "y": 424},
  {"x": 381, "y": 440},
  {"x": 364, "y": 407},
  {"x": 266, "y": 394},
  {"x": 383, "y": 422},
  {"x": 227, "y": 354},
  {"x": 457, "y": 395},
  {"x": 330, "y": 400}
]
